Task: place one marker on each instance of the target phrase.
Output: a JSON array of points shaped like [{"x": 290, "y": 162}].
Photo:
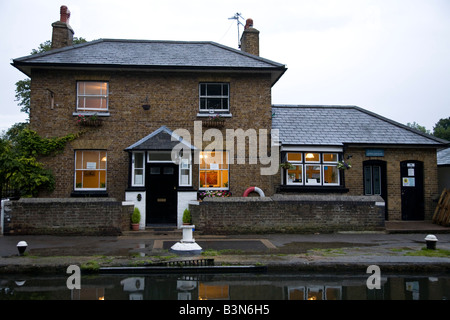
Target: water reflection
[{"x": 226, "y": 287}]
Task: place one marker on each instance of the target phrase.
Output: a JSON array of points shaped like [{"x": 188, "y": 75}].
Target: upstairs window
[
  {"x": 92, "y": 96},
  {"x": 214, "y": 97}
]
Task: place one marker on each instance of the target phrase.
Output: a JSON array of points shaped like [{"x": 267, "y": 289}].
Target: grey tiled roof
[
  {"x": 339, "y": 125},
  {"x": 160, "y": 139},
  {"x": 110, "y": 53},
  {"x": 443, "y": 157}
]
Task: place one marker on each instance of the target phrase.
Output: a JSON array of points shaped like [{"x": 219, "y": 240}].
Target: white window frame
[
  {"x": 213, "y": 97},
  {"x": 321, "y": 163},
  {"x": 185, "y": 162},
  {"x": 97, "y": 169},
  {"x": 295, "y": 163},
  {"x": 101, "y": 96},
  {"x": 223, "y": 169},
  {"x": 133, "y": 169}
]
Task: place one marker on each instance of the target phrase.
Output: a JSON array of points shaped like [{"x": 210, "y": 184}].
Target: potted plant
[
  {"x": 135, "y": 219},
  {"x": 287, "y": 165},
  {"x": 187, "y": 219}
]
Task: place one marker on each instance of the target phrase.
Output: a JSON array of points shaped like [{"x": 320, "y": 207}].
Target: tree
[
  {"x": 417, "y": 126},
  {"x": 23, "y": 86},
  {"x": 19, "y": 149},
  {"x": 442, "y": 129}
]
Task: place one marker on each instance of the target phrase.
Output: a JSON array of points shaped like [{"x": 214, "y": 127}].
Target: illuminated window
[
  {"x": 92, "y": 96},
  {"x": 90, "y": 170},
  {"x": 312, "y": 169},
  {"x": 214, "y": 170}
]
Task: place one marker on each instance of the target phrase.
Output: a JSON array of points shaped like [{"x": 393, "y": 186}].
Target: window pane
[
  {"x": 330, "y": 175},
  {"x": 225, "y": 89},
  {"x": 168, "y": 170},
  {"x": 367, "y": 180},
  {"x": 214, "y": 103},
  {"x": 330, "y": 157},
  {"x": 312, "y": 157},
  {"x": 376, "y": 180},
  {"x": 214, "y": 89},
  {"x": 155, "y": 170},
  {"x": 297, "y": 157},
  {"x": 160, "y": 156},
  {"x": 295, "y": 176},
  {"x": 203, "y": 89},
  {"x": 312, "y": 174},
  {"x": 139, "y": 160}
]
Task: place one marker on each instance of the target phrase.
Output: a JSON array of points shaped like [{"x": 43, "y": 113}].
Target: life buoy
[{"x": 254, "y": 189}]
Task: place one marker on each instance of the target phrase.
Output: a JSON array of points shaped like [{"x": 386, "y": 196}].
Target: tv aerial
[{"x": 237, "y": 16}]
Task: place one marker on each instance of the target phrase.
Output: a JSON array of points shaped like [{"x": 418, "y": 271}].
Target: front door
[
  {"x": 412, "y": 190},
  {"x": 161, "y": 184},
  {"x": 375, "y": 182}
]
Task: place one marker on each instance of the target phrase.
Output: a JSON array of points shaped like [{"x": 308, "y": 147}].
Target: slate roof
[
  {"x": 443, "y": 157},
  {"x": 160, "y": 139},
  {"x": 339, "y": 125},
  {"x": 139, "y": 54}
]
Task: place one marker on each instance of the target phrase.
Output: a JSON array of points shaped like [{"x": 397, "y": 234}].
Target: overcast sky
[{"x": 391, "y": 57}]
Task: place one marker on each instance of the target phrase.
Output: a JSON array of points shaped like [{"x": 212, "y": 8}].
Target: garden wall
[
  {"x": 288, "y": 214},
  {"x": 67, "y": 216}
]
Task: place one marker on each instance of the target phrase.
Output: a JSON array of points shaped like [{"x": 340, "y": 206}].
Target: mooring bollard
[
  {"x": 22, "y": 246},
  {"x": 187, "y": 244},
  {"x": 431, "y": 241}
]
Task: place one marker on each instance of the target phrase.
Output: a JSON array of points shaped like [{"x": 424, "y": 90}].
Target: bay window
[
  {"x": 312, "y": 169},
  {"x": 214, "y": 170}
]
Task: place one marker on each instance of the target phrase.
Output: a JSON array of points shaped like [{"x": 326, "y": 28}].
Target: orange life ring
[{"x": 254, "y": 189}]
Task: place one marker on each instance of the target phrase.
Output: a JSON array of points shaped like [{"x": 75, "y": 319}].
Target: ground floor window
[
  {"x": 214, "y": 170},
  {"x": 312, "y": 169},
  {"x": 90, "y": 170}
]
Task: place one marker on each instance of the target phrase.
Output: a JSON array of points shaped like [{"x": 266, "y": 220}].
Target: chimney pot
[
  {"x": 248, "y": 24},
  {"x": 64, "y": 14}
]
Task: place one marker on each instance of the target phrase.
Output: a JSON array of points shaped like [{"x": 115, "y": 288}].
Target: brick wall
[
  {"x": 393, "y": 157},
  {"x": 174, "y": 102},
  {"x": 89, "y": 216},
  {"x": 288, "y": 213}
]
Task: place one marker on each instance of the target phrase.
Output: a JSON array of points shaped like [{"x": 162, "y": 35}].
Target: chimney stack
[
  {"x": 62, "y": 35},
  {"x": 250, "y": 39}
]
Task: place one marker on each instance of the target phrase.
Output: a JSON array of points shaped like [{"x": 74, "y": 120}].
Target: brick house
[
  {"x": 137, "y": 101},
  {"x": 140, "y": 93}
]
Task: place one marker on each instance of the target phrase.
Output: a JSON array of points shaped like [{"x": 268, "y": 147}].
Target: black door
[
  {"x": 412, "y": 190},
  {"x": 161, "y": 184},
  {"x": 375, "y": 182}
]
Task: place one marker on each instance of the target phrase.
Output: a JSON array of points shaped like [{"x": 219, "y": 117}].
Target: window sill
[
  {"x": 311, "y": 189},
  {"x": 89, "y": 194},
  {"x": 91, "y": 113},
  {"x": 208, "y": 114}
]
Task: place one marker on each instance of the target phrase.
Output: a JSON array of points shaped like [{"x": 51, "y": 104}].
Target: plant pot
[{"x": 135, "y": 226}]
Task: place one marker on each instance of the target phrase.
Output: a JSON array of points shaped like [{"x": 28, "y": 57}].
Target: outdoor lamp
[
  {"x": 22, "y": 246},
  {"x": 431, "y": 241}
]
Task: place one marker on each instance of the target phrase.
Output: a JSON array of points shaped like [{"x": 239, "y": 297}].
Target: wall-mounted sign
[{"x": 374, "y": 152}]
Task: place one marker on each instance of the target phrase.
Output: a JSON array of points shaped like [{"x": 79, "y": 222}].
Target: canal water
[{"x": 241, "y": 286}]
